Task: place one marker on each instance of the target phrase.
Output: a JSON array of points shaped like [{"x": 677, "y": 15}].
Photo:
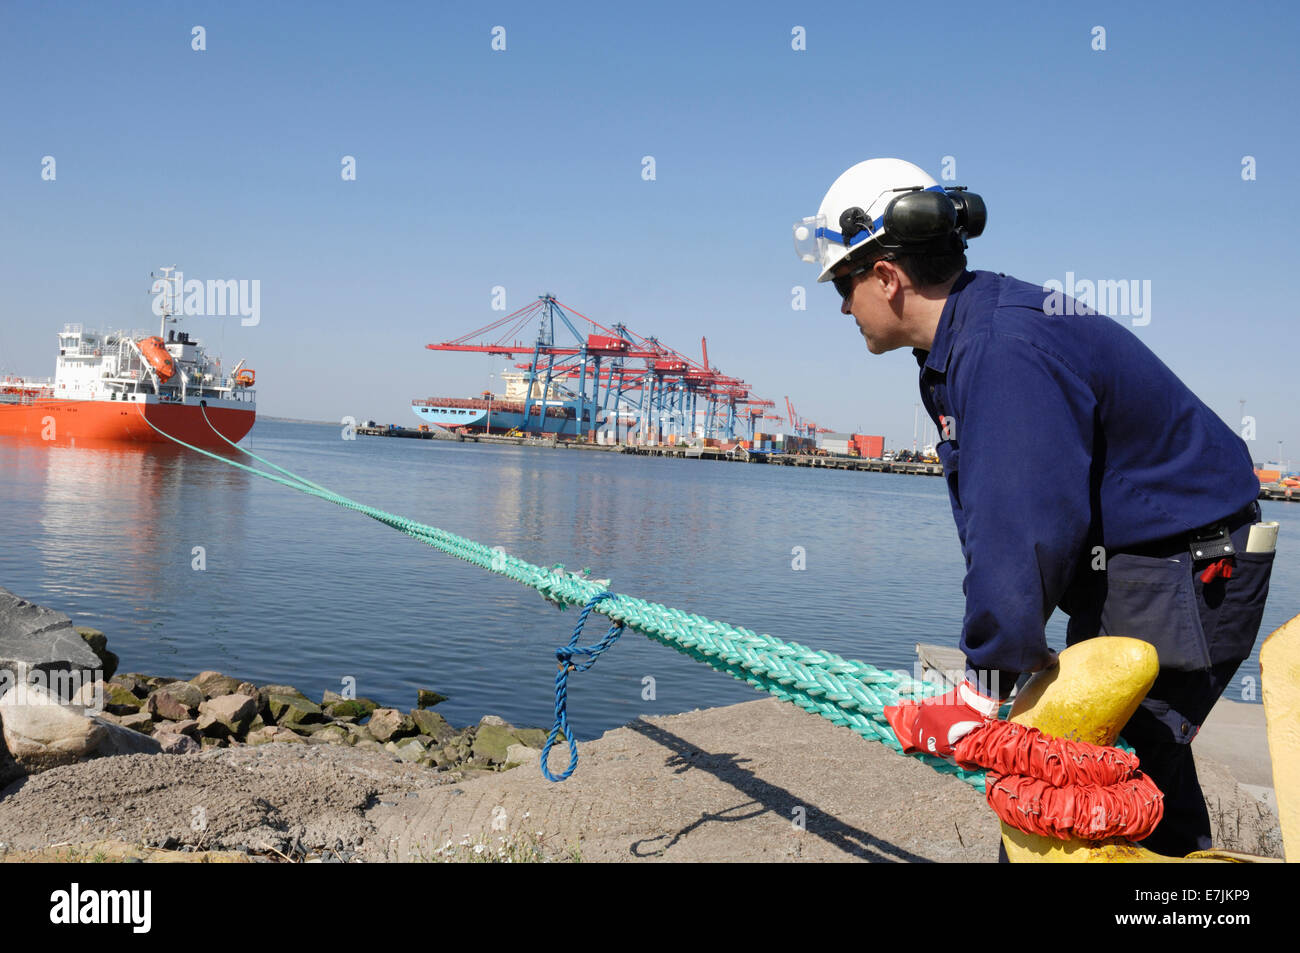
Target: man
[{"x": 1082, "y": 474}]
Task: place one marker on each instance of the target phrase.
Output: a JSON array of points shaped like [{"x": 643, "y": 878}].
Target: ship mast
[{"x": 169, "y": 291}]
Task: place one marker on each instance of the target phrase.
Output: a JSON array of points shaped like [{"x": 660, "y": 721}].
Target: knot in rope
[
  {"x": 565, "y": 656},
  {"x": 1061, "y": 788}
]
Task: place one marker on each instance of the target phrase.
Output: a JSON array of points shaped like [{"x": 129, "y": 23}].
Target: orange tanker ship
[{"x": 120, "y": 386}]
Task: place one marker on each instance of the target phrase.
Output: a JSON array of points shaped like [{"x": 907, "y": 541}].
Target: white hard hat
[{"x": 852, "y": 219}]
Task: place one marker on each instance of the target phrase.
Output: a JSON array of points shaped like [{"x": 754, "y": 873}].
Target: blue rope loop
[{"x": 565, "y": 656}]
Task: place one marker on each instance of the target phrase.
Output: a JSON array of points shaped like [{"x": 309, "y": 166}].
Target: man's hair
[{"x": 926, "y": 271}]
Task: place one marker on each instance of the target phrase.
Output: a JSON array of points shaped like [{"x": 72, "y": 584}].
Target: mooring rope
[{"x": 844, "y": 691}]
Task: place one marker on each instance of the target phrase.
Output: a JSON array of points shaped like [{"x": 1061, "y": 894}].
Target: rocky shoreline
[
  {"x": 213, "y": 710},
  {"x": 207, "y": 768}
]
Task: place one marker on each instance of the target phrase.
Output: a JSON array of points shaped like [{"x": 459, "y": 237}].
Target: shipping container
[{"x": 869, "y": 446}]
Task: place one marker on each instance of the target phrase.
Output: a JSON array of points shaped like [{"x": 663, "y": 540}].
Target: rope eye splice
[{"x": 565, "y": 656}]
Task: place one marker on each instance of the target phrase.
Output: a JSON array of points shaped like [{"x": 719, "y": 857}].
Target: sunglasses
[{"x": 844, "y": 283}]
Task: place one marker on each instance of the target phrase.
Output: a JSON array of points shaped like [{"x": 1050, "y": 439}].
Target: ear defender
[
  {"x": 920, "y": 217},
  {"x": 972, "y": 215},
  {"x": 933, "y": 220}
]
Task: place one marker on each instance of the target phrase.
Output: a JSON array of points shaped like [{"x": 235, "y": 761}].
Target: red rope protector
[{"x": 1061, "y": 788}]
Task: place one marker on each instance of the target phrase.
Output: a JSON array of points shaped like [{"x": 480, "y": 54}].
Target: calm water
[{"x": 298, "y": 591}]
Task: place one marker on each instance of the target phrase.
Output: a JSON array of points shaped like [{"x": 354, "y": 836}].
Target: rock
[
  {"x": 308, "y": 727},
  {"x": 10, "y": 770},
  {"x": 523, "y": 754},
  {"x": 40, "y": 649},
  {"x": 351, "y": 707},
  {"x": 41, "y": 734},
  {"x": 494, "y": 720},
  {"x": 229, "y": 712},
  {"x": 120, "y": 700},
  {"x": 132, "y": 684},
  {"x": 427, "y": 699},
  {"x": 188, "y": 694},
  {"x": 252, "y": 691},
  {"x": 89, "y": 695},
  {"x": 356, "y": 707},
  {"x": 161, "y": 703},
  {"x": 136, "y": 721},
  {"x": 173, "y": 743},
  {"x": 356, "y": 732},
  {"x": 389, "y": 724},
  {"x": 535, "y": 737},
  {"x": 33, "y": 637},
  {"x": 214, "y": 684},
  {"x": 432, "y": 724},
  {"x": 293, "y": 709},
  {"x": 282, "y": 690},
  {"x": 188, "y": 727},
  {"x": 332, "y": 735},
  {"x": 329, "y": 698},
  {"x": 444, "y": 757},
  {"x": 211, "y": 727},
  {"x": 410, "y": 750},
  {"x": 124, "y": 740},
  {"x": 144, "y": 684},
  {"x": 98, "y": 643},
  {"x": 274, "y": 733},
  {"x": 97, "y": 640},
  {"x": 492, "y": 742}
]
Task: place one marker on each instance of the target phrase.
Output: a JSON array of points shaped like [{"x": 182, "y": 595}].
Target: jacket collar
[{"x": 936, "y": 359}]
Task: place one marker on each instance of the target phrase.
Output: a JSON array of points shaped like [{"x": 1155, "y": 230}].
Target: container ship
[
  {"x": 551, "y": 413},
  {"x": 110, "y": 386}
]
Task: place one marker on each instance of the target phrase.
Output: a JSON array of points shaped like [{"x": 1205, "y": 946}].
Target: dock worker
[{"x": 1083, "y": 474}]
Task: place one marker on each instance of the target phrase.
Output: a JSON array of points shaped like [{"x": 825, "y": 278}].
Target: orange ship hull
[{"x": 60, "y": 421}]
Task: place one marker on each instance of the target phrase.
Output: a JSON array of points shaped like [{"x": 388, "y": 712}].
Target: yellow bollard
[
  {"x": 1279, "y": 665},
  {"x": 1090, "y": 694}
]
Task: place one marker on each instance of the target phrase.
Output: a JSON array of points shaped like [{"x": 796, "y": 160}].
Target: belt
[{"x": 1212, "y": 541}]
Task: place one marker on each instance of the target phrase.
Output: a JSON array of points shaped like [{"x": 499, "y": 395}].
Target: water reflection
[{"x": 103, "y": 517}]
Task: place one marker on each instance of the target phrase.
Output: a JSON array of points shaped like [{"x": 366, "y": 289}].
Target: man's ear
[{"x": 890, "y": 277}]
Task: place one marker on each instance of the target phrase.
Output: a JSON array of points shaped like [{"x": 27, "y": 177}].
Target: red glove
[{"x": 936, "y": 724}]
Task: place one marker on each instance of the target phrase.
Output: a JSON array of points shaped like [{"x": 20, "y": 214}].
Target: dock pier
[{"x": 1283, "y": 494}]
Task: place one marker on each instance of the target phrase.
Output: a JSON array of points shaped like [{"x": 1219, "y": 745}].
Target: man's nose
[{"x": 844, "y": 307}]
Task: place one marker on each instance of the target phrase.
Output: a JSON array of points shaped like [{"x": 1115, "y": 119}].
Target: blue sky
[{"x": 522, "y": 168}]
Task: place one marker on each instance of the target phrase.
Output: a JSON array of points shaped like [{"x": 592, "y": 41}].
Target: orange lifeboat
[
  {"x": 246, "y": 377},
  {"x": 155, "y": 352}
]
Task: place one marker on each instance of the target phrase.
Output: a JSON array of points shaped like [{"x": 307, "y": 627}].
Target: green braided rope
[{"x": 843, "y": 691}]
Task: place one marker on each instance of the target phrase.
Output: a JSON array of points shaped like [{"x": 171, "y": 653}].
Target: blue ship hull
[{"x": 459, "y": 413}]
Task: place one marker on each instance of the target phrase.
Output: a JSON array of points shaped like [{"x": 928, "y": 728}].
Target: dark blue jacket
[{"x": 1064, "y": 432}]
